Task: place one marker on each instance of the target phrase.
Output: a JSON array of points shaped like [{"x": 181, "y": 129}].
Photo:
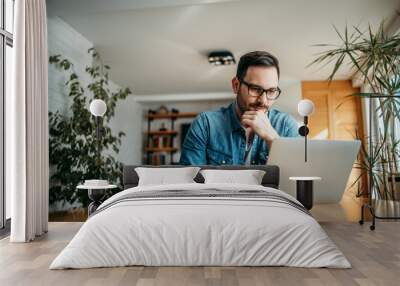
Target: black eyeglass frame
[{"x": 266, "y": 91}]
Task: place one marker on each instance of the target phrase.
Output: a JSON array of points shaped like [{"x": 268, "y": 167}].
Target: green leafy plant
[
  {"x": 374, "y": 56},
  {"x": 73, "y": 142}
]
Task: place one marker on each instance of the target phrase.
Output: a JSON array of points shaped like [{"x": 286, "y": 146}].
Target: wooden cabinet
[{"x": 337, "y": 115}]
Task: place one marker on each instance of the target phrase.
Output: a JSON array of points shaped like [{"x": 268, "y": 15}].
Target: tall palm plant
[{"x": 375, "y": 58}]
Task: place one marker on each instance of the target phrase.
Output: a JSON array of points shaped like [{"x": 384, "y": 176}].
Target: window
[{"x": 6, "y": 65}]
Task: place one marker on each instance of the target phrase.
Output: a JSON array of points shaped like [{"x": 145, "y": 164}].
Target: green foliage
[
  {"x": 375, "y": 57},
  {"x": 73, "y": 141}
]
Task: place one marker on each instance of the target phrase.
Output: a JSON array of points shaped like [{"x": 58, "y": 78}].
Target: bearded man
[{"x": 242, "y": 133}]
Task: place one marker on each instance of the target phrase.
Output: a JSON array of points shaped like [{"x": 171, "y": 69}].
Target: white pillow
[
  {"x": 249, "y": 177},
  {"x": 165, "y": 176}
]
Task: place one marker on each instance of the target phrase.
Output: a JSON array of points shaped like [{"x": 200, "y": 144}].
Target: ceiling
[{"x": 160, "y": 47}]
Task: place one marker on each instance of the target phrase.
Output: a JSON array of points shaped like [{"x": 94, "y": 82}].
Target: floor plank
[{"x": 375, "y": 257}]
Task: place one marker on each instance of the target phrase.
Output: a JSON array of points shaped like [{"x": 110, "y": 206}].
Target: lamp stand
[
  {"x": 303, "y": 131},
  {"x": 99, "y": 133}
]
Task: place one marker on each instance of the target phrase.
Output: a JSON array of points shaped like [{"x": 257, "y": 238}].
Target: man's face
[{"x": 262, "y": 77}]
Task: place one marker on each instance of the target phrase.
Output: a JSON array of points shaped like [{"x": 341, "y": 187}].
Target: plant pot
[
  {"x": 396, "y": 191},
  {"x": 386, "y": 208}
]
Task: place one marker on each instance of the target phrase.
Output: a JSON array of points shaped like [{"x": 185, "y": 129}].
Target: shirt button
[{"x": 223, "y": 162}]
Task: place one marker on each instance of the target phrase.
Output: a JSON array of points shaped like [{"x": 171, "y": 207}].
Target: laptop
[{"x": 332, "y": 160}]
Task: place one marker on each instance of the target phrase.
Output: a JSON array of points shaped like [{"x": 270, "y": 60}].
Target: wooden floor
[{"x": 374, "y": 255}]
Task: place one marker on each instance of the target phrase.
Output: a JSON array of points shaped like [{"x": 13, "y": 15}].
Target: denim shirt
[{"x": 217, "y": 138}]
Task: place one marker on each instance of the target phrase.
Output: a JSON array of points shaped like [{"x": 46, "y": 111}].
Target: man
[{"x": 243, "y": 132}]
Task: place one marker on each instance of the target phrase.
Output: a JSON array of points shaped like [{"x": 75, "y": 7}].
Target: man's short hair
[{"x": 257, "y": 58}]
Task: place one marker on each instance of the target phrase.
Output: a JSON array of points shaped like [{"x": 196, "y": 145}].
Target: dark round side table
[
  {"x": 304, "y": 190},
  {"x": 96, "y": 195}
]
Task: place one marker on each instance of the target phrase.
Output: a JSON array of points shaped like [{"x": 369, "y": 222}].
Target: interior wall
[
  {"x": 128, "y": 118},
  {"x": 64, "y": 40},
  {"x": 290, "y": 97}
]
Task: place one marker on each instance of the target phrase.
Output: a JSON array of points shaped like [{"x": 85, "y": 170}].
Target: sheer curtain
[{"x": 27, "y": 122}]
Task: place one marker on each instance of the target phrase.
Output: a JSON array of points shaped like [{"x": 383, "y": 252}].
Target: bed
[{"x": 198, "y": 224}]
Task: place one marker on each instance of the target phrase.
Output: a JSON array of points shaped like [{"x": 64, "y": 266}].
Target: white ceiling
[{"x": 160, "y": 47}]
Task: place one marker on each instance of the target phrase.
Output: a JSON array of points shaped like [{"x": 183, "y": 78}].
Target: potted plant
[
  {"x": 374, "y": 56},
  {"x": 72, "y": 136}
]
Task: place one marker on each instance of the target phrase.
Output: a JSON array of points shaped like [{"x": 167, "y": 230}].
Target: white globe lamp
[
  {"x": 98, "y": 107},
  {"x": 305, "y": 108}
]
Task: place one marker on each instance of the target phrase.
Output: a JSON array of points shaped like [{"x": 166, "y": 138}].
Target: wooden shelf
[
  {"x": 172, "y": 115},
  {"x": 162, "y": 133},
  {"x": 165, "y": 149},
  {"x": 154, "y": 155}
]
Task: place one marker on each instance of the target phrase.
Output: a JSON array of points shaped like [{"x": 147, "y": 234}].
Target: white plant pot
[
  {"x": 387, "y": 208},
  {"x": 396, "y": 186}
]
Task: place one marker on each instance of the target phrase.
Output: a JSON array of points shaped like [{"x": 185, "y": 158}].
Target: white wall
[
  {"x": 291, "y": 95},
  {"x": 128, "y": 118},
  {"x": 64, "y": 40}
]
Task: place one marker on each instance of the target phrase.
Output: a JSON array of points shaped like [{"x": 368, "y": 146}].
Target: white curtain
[{"x": 27, "y": 122}]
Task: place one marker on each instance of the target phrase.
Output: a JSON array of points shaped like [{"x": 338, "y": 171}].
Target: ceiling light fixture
[{"x": 219, "y": 58}]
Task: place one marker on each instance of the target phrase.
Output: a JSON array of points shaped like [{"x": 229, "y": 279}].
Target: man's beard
[{"x": 254, "y": 106}]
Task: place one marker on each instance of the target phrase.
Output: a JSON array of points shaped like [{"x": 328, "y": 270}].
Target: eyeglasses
[{"x": 256, "y": 90}]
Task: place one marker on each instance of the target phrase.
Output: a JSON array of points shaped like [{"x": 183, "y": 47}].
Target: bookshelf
[
  {"x": 160, "y": 143},
  {"x": 171, "y": 115}
]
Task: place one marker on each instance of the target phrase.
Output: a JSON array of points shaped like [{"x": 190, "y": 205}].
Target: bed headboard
[{"x": 270, "y": 179}]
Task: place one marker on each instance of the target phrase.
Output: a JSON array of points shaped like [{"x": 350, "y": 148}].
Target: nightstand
[
  {"x": 96, "y": 195},
  {"x": 304, "y": 190}
]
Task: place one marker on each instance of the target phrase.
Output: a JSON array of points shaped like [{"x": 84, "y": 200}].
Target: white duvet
[{"x": 200, "y": 231}]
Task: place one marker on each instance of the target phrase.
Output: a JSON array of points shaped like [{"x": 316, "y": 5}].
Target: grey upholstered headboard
[{"x": 270, "y": 179}]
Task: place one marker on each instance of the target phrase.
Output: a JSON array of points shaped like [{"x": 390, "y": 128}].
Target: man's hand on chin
[{"x": 260, "y": 124}]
